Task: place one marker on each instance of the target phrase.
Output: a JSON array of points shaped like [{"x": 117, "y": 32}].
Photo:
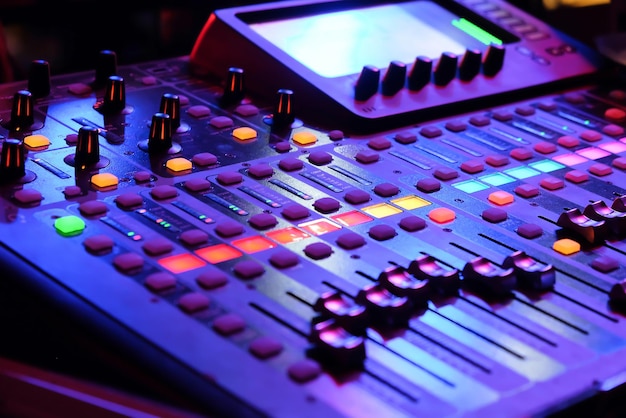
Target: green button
[{"x": 69, "y": 225}]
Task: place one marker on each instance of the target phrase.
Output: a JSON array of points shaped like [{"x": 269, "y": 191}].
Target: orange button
[
  {"x": 244, "y": 133},
  {"x": 442, "y": 215},
  {"x": 501, "y": 198},
  {"x": 104, "y": 180},
  {"x": 566, "y": 246},
  {"x": 178, "y": 164},
  {"x": 36, "y": 142},
  {"x": 218, "y": 253},
  {"x": 304, "y": 138}
]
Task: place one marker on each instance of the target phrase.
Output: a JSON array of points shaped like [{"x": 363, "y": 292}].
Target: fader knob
[
  {"x": 22, "y": 111},
  {"x": 12, "y": 161},
  {"x": 39, "y": 78},
  {"x": 283, "y": 109},
  {"x": 494, "y": 59},
  {"x": 420, "y": 73},
  {"x": 160, "y": 139},
  {"x": 445, "y": 70},
  {"x": 469, "y": 67},
  {"x": 234, "y": 89},
  {"x": 367, "y": 84},
  {"x": 106, "y": 66},
  {"x": 170, "y": 104},
  {"x": 394, "y": 78},
  {"x": 87, "y": 147}
]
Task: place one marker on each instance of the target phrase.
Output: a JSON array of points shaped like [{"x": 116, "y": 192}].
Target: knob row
[{"x": 447, "y": 67}]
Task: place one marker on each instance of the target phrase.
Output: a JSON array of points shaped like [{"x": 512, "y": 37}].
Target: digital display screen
[{"x": 340, "y": 43}]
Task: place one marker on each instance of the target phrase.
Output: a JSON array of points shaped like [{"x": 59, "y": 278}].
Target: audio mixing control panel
[{"x": 470, "y": 265}]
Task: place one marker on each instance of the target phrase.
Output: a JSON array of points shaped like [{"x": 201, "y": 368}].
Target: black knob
[
  {"x": 367, "y": 83},
  {"x": 494, "y": 59},
  {"x": 420, "y": 73},
  {"x": 385, "y": 309},
  {"x": 87, "y": 147},
  {"x": 170, "y": 104},
  {"x": 529, "y": 273},
  {"x": 615, "y": 219},
  {"x": 106, "y": 66},
  {"x": 398, "y": 281},
  {"x": 335, "y": 347},
  {"x": 482, "y": 276},
  {"x": 594, "y": 231},
  {"x": 114, "y": 95},
  {"x": 442, "y": 281},
  {"x": 22, "y": 111},
  {"x": 394, "y": 78},
  {"x": 347, "y": 314},
  {"x": 234, "y": 89},
  {"x": 283, "y": 109},
  {"x": 12, "y": 161},
  {"x": 445, "y": 70},
  {"x": 160, "y": 139},
  {"x": 469, "y": 67},
  {"x": 39, "y": 78}
]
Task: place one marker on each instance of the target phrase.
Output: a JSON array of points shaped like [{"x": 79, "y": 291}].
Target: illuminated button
[
  {"x": 613, "y": 147},
  {"x": 472, "y": 166},
  {"x": 600, "y": 169},
  {"x": 178, "y": 164},
  {"x": 265, "y": 347},
  {"x": 104, "y": 180},
  {"x": 521, "y": 154},
  {"x": 199, "y": 111},
  {"x": 193, "y": 237},
  {"x": 284, "y": 259},
  {"x": 164, "y": 191},
  {"x": 160, "y": 281},
  {"x": 381, "y": 210},
  {"x": 470, "y": 186},
  {"x": 99, "y": 244},
  {"x": 521, "y": 172},
  {"x": 260, "y": 171},
  {"x": 405, "y": 137},
  {"x": 128, "y": 262},
  {"x": 357, "y": 196},
  {"x": 568, "y": 141},
  {"x": 593, "y": 153},
  {"x": 570, "y": 159},
  {"x": 157, "y": 246},
  {"x": 320, "y": 157},
  {"x": 304, "y": 138},
  {"x": 36, "y": 142},
  {"x": 29, "y": 197},
  {"x": 181, "y": 263},
  {"x": 229, "y": 178},
  {"x": 229, "y": 324},
  {"x": 92, "y": 208},
  {"x": 218, "y": 253},
  {"x": 546, "y": 166},
  {"x": 497, "y": 160},
  {"x": 70, "y": 225},
  {"x": 494, "y": 215},
  {"x": 412, "y": 223},
  {"x": 367, "y": 156},
  {"x": 445, "y": 173},
  {"x": 428, "y": 185},
  {"x": 529, "y": 231},
  {"x": 386, "y": 189},
  {"x": 544, "y": 147},
  {"x": 552, "y": 183},
  {"x": 287, "y": 235},
  {"x": 193, "y": 302},
  {"x": 501, "y": 197},
  {"x": 410, "y": 202},
  {"x": 221, "y": 122},
  {"x": 248, "y": 269},
  {"x": 319, "y": 226},
  {"x": 318, "y": 250},
  {"x": 204, "y": 159},
  {"x": 379, "y": 143},
  {"x": 212, "y": 279},
  {"x": 326, "y": 205},
  {"x": 431, "y": 131},
  {"x": 295, "y": 211},
  {"x": 614, "y": 114},
  {"x": 576, "y": 176},
  {"x": 244, "y": 133},
  {"x": 441, "y": 215},
  {"x": 350, "y": 240},
  {"x": 591, "y": 136},
  {"x": 253, "y": 244},
  {"x": 381, "y": 232},
  {"x": 566, "y": 246},
  {"x": 263, "y": 221},
  {"x": 527, "y": 190},
  {"x": 229, "y": 228}
]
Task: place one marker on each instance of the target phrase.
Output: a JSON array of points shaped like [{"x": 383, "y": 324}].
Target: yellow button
[
  {"x": 501, "y": 198},
  {"x": 566, "y": 246},
  {"x": 244, "y": 133},
  {"x": 442, "y": 215},
  {"x": 410, "y": 202},
  {"x": 381, "y": 210},
  {"x": 104, "y": 180},
  {"x": 304, "y": 138},
  {"x": 36, "y": 142},
  {"x": 178, "y": 164}
]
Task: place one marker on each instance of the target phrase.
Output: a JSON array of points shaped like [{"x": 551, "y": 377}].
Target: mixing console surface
[{"x": 471, "y": 265}]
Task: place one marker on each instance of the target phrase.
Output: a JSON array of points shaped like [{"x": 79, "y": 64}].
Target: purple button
[
  {"x": 294, "y": 211},
  {"x": 412, "y": 223},
  {"x": 229, "y": 324},
  {"x": 502, "y": 115},
  {"x": 521, "y": 154},
  {"x": 283, "y": 146},
  {"x": 157, "y": 246},
  {"x": 428, "y": 185},
  {"x": 320, "y": 157},
  {"x": 142, "y": 176},
  {"x": 382, "y": 232},
  {"x": 497, "y": 160},
  {"x": 212, "y": 279},
  {"x": 72, "y": 191},
  {"x": 357, "y": 196},
  {"x": 164, "y": 191},
  {"x": 229, "y": 228},
  {"x": 129, "y": 200},
  {"x": 335, "y": 135},
  {"x": 263, "y": 221},
  {"x": 367, "y": 156},
  {"x": 220, "y": 122},
  {"x": 350, "y": 240},
  {"x": 229, "y": 177},
  {"x": 265, "y": 347},
  {"x": 480, "y": 120},
  {"x": 431, "y": 131},
  {"x": 379, "y": 143},
  {"x": 386, "y": 189},
  {"x": 472, "y": 166},
  {"x": 529, "y": 231},
  {"x": 99, "y": 244},
  {"x": 304, "y": 370},
  {"x": 544, "y": 147},
  {"x": 290, "y": 164},
  {"x": 28, "y": 197},
  {"x": 248, "y": 269},
  {"x": 527, "y": 190},
  {"x": 203, "y": 159},
  {"x": 405, "y": 137},
  {"x": 445, "y": 173},
  {"x": 284, "y": 259},
  {"x": 193, "y": 302},
  {"x": 456, "y": 126},
  {"x": 92, "y": 208},
  {"x": 494, "y": 215},
  {"x": 260, "y": 171},
  {"x": 128, "y": 262},
  {"x": 197, "y": 185},
  {"x": 247, "y": 110},
  {"x": 552, "y": 183},
  {"x": 525, "y": 110},
  {"x": 318, "y": 250},
  {"x": 160, "y": 281},
  {"x": 193, "y": 237},
  {"x": 605, "y": 264},
  {"x": 326, "y": 205}
]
